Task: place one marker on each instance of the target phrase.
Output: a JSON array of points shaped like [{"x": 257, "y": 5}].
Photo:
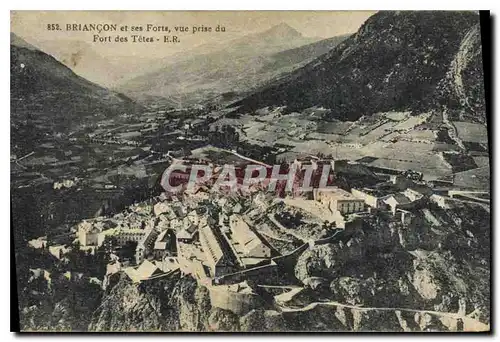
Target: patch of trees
[
  {"x": 224, "y": 136},
  {"x": 289, "y": 220}
]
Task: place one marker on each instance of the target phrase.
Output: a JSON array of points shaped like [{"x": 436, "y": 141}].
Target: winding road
[{"x": 470, "y": 324}]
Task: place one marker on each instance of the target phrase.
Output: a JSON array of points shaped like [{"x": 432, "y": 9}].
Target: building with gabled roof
[
  {"x": 145, "y": 244},
  {"x": 161, "y": 241},
  {"x": 400, "y": 201},
  {"x": 417, "y": 192},
  {"x": 145, "y": 271},
  {"x": 185, "y": 235},
  {"x": 59, "y": 251},
  {"x": 121, "y": 236},
  {"x": 164, "y": 244},
  {"x": 219, "y": 256},
  {"x": 372, "y": 197},
  {"x": 87, "y": 234},
  {"x": 250, "y": 244}
]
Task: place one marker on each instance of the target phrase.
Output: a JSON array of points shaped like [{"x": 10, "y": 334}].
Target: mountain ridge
[
  {"x": 394, "y": 62},
  {"x": 46, "y": 95},
  {"x": 82, "y": 59},
  {"x": 245, "y": 63}
]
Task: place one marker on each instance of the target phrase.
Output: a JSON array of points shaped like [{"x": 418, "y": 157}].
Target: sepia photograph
[{"x": 250, "y": 171}]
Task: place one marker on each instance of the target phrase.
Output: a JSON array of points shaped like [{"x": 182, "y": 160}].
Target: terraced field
[
  {"x": 471, "y": 132},
  {"x": 394, "y": 139}
]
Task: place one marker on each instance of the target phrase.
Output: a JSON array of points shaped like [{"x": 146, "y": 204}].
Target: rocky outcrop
[
  {"x": 326, "y": 260},
  {"x": 451, "y": 285},
  {"x": 223, "y": 320},
  {"x": 263, "y": 320},
  {"x": 64, "y": 305},
  {"x": 175, "y": 303},
  {"x": 392, "y": 265}
]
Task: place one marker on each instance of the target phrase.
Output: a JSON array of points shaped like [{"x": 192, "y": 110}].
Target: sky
[{"x": 33, "y": 26}]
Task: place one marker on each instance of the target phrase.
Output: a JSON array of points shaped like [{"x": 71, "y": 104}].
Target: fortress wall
[
  {"x": 325, "y": 240},
  {"x": 260, "y": 273},
  {"x": 289, "y": 260},
  {"x": 239, "y": 303}
]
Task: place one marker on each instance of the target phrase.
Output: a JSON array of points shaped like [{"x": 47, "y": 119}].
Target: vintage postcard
[{"x": 250, "y": 171}]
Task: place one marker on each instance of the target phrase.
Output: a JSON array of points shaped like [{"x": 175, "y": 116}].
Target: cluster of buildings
[
  {"x": 211, "y": 237},
  {"x": 216, "y": 249},
  {"x": 360, "y": 190},
  {"x": 208, "y": 243},
  {"x": 150, "y": 237},
  {"x": 118, "y": 238},
  {"x": 398, "y": 196}
]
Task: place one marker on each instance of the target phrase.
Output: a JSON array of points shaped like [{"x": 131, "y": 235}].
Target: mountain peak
[{"x": 282, "y": 30}]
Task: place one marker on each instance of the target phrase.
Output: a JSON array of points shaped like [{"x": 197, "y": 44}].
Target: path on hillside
[{"x": 470, "y": 324}]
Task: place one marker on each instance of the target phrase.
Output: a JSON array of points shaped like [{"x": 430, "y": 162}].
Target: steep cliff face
[
  {"x": 170, "y": 304},
  {"x": 57, "y": 304},
  {"x": 264, "y": 320},
  {"x": 394, "y": 286},
  {"x": 446, "y": 283},
  {"x": 394, "y": 62},
  {"x": 370, "y": 291},
  {"x": 393, "y": 266},
  {"x": 127, "y": 308},
  {"x": 326, "y": 260}
]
